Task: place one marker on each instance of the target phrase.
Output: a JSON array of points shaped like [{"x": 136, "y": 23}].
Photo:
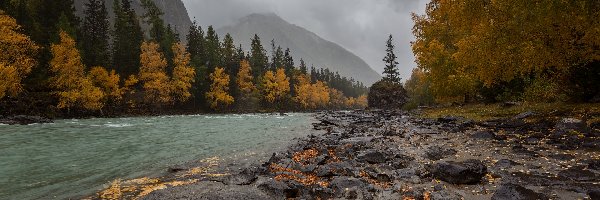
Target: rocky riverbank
[{"x": 392, "y": 155}]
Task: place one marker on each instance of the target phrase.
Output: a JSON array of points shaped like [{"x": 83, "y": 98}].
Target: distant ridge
[{"x": 302, "y": 43}]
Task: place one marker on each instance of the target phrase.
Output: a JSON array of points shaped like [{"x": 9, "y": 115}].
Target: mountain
[
  {"x": 302, "y": 43},
  {"x": 175, "y": 13}
]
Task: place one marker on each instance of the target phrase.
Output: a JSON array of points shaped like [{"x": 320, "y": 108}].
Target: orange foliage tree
[
  {"x": 156, "y": 83},
  {"x": 276, "y": 86},
  {"x": 107, "y": 82},
  {"x": 218, "y": 96},
  {"x": 247, "y": 89},
  {"x": 183, "y": 73},
  {"x": 73, "y": 88},
  {"x": 17, "y": 57}
]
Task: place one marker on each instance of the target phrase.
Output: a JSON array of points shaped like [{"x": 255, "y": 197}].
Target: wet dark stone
[
  {"x": 340, "y": 183},
  {"x": 505, "y": 163},
  {"x": 483, "y": 135},
  {"x": 594, "y": 194},
  {"x": 24, "y": 120},
  {"x": 522, "y": 150},
  {"x": 401, "y": 161},
  {"x": 524, "y": 115},
  {"x": 438, "y": 153},
  {"x": 447, "y": 119},
  {"x": 567, "y": 125},
  {"x": 467, "y": 172},
  {"x": 562, "y": 156},
  {"x": 444, "y": 195},
  {"x": 594, "y": 164},
  {"x": 578, "y": 174},
  {"x": 275, "y": 188},
  {"x": 372, "y": 157},
  {"x": 176, "y": 168},
  {"x": 516, "y": 192},
  {"x": 246, "y": 177}
]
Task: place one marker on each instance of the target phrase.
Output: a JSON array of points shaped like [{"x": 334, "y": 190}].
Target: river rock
[
  {"x": 24, "y": 120},
  {"x": 594, "y": 194},
  {"x": 516, "y": 192},
  {"x": 467, "y": 172},
  {"x": 438, "y": 152},
  {"x": 578, "y": 174},
  {"x": 567, "y": 125},
  {"x": 372, "y": 157},
  {"x": 484, "y": 134}
]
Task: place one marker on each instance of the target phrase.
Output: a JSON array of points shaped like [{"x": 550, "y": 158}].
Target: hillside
[
  {"x": 303, "y": 44},
  {"x": 175, "y": 12}
]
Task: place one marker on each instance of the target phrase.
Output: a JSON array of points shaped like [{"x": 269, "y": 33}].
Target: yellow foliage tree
[
  {"x": 244, "y": 79},
  {"x": 156, "y": 83},
  {"x": 276, "y": 85},
  {"x": 337, "y": 99},
  {"x": 361, "y": 101},
  {"x": 17, "y": 57},
  {"x": 183, "y": 73},
  {"x": 74, "y": 89},
  {"x": 218, "y": 96},
  {"x": 107, "y": 82},
  {"x": 311, "y": 96}
]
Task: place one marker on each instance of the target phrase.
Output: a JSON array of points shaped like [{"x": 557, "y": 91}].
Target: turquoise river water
[{"x": 71, "y": 158}]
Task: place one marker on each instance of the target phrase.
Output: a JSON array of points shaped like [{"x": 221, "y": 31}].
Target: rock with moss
[{"x": 387, "y": 95}]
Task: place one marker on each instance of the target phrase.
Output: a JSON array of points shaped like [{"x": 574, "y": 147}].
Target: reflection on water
[{"x": 75, "y": 157}]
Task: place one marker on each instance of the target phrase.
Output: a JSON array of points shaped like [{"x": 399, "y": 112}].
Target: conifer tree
[
  {"x": 95, "y": 34},
  {"x": 127, "y": 39},
  {"x": 303, "y": 67},
  {"x": 213, "y": 48},
  {"x": 288, "y": 62},
  {"x": 258, "y": 57},
  {"x": 228, "y": 53},
  {"x": 391, "y": 70}
]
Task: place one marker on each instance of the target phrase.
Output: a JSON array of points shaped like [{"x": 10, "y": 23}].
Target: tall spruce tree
[
  {"x": 127, "y": 40},
  {"x": 288, "y": 62},
  {"x": 162, "y": 34},
  {"x": 303, "y": 67},
  {"x": 390, "y": 71},
  {"x": 258, "y": 58},
  {"x": 213, "y": 49},
  {"x": 228, "y": 53},
  {"x": 95, "y": 33},
  {"x": 277, "y": 59}
]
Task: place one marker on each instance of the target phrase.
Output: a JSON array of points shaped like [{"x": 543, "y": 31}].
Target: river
[{"x": 75, "y": 157}]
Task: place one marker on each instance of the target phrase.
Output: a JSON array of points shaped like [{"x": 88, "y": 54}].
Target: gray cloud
[{"x": 361, "y": 26}]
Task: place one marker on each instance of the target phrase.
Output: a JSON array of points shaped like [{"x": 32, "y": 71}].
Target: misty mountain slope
[
  {"x": 174, "y": 11},
  {"x": 302, "y": 43}
]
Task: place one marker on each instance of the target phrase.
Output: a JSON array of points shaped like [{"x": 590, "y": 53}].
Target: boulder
[
  {"x": 467, "y": 172},
  {"x": 485, "y": 135},
  {"x": 567, "y": 125},
  {"x": 387, "y": 95}
]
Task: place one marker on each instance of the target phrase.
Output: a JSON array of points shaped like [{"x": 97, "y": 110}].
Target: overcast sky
[{"x": 361, "y": 26}]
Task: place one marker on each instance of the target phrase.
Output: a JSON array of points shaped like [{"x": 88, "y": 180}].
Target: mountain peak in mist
[{"x": 302, "y": 43}]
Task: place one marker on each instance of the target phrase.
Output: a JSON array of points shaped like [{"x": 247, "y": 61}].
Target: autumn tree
[
  {"x": 276, "y": 86},
  {"x": 418, "y": 89},
  {"x": 17, "y": 57},
  {"x": 311, "y": 96},
  {"x": 73, "y": 88},
  {"x": 156, "y": 83},
  {"x": 108, "y": 82},
  {"x": 183, "y": 74},
  {"x": 218, "y": 96},
  {"x": 390, "y": 71},
  {"x": 246, "y": 87}
]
